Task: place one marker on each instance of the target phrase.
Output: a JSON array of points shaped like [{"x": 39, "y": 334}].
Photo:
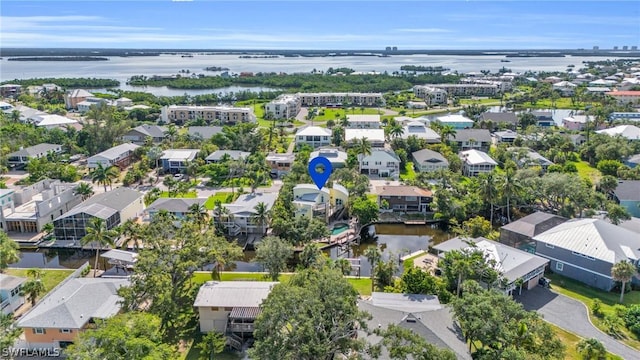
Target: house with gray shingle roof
[
  {"x": 428, "y": 160},
  {"x": 178, "y": 207},
  {"x": 218, "y": 155},
  {"x": 204, "y": 132},
  {"x": 139, "y": 134},
  {"x": 508, "y": 118},
  {"x": 633, "y": 161},
  {"x": 472, "y": 139},
  {"x": 10, "y": 298},
  {"x": 70, "y": 309},
  {"x": 238, "y": 217},
  {"x": 586, "y": 250},
  {"x": 119, "y": 156},
  {"x": 22, "y": 156},
  {"x": 520, "y": 233}
]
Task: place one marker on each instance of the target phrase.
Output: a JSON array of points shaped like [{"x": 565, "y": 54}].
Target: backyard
[{"x": 50, "y": 277}]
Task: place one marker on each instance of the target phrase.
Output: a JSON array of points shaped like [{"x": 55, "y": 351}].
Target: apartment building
[
  {"x": 430, "y": 94},
  {"x": 179, "y": 114},
  {"x": 473, "y": 89},
  {"x": 364, "y": 122},
  {"x": 285, "y": 106},
  {"x": 338, "y": 99}
]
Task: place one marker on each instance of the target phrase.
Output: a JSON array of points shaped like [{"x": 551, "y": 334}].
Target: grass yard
[
  {"x": 336, "y": 114},
  {"x": 587, "y": 172},
  {"x": 570, "y": 340},
  {"x": 224, "y": 197},
  {"x": 194, "y": 354},
  {"x": 50, "y": 278},
  {"x": 408, "y": 172},
  {"x": 481, "y": 101},
  {"x": 586, "y": 294},
  {"x": 189, "y": 195}
]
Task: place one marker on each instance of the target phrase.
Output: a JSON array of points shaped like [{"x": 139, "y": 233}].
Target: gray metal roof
[
  {"x": 233, "y": 154},
  {"x": 9, "y": 282},
  {"x": 505, "y": 117},
  {"x": 122, "y": 255},
  {"x": 117, "y": 199},
  {"x": 481, "y": 135},
  {"x": 174, "y": 205},
  {"x": 74, "y": 303},
  {"x": 97, "y": 210},
  {"x": 233, "y": 293},
  {"x": 426, "y": 155},
  {"x": 205, "y": 132},
  {"x": 534, "y": 224},
  {"x": 405, "y": 302},
  {"x": 116, "y": 151},
  {"x": 35, "y": 150},
  {"x": 628, "y": 190},
  {"x": 246, "y": 203},
  {"x": 632, "y": 224},
  {"x": 594, "y": 238},
  {"x": 154, "y": 131},
  {"x": 634, "y": 159}
]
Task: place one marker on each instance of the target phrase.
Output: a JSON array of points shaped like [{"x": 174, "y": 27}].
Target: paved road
[{"x": 571, "y": 315}]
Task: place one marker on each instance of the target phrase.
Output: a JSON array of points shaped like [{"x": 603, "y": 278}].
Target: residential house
[
  {"x": 285, "y": 106},
  {"x": 6, "y": 205},
  {"x": 123, "y": 102},
  {"x": 175, "y": 161},
  {"x": 576, "y": 139},
  {"x": 507, "y": 136},
  {"x": 632, "y": 161},
  {"x": 280, "y": 164},
  {"x": 85, "y": 106},
  {"x": 543, "y": 118},
  {"x": 577, "y": 122},
  {"x": 73, "y": 97},
  {"x": 499, "y": 119},
  {"x": 180, "y": 114},
  {"x": 428, "y": 160},
  {"x": 520, "y": 233},
  {"x": 431, "y": 95},
  {"x": 239, "y": 216},
  {"x": 629, "y": 132},
  {"x": 52, "y": 121},
  {"x": 26, "y": 113},
  {"x": 10, "y": 91},
  {"x": 219, "y": 155},
  {"x": 468, "y": 139},
  {"x": 322, "y": 203},
  {"x": 597, "y": 90},
  {"x": 340, "y": 99},
  {"x": 476, "y": 162},
  {"x": 337, "y": 158},
  {"x": 422, "y": 315},
  {"x": 120, "y": 156},
  {"x": 231, "y": 307},
  {"x": 403, "y": 198},
  {"x": 625, "y": 97},
  {"x": 38, "y": 204},
  {"x": 114, "y": 207},
  {"x": 73, "y": 307},
  {"x": 177, "y": 207},
  {"x": 627, "y": 194},
  {"x": 626, "y": 116},
  {"x": 526, "y": 157},
  {"x": 455, "y": 121},
  {"x": 204, "y": 132},
  {"x": 120, "y": 259},
  {"x": 566, "y": 88},
  {"x": 139, "y": 134},
  {"x": 514, "y": 266},
  {"x": 10, "y": 298},
  {"x": 313, "y": 136},
  {"x": 380, "y": 163},
  {"x": 21, "y": 157},
  {"x": 586, "y": 249},
  {"x": 375, "y": 136},
  {"x": 420, "y": 131},
  {"x": 6, "y": 107},
  {"x": 363, "y": 122}
]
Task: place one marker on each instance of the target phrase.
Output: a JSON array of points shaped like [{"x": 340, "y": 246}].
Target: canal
[{"x": 394, "y": 240}]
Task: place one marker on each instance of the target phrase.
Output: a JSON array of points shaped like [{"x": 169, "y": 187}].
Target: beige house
[
  {"x": 73, "y": 97},
  {"x": 322, "y": 203}
]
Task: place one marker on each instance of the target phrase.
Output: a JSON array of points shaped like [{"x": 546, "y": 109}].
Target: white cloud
[{"x": 423, "y": 30}]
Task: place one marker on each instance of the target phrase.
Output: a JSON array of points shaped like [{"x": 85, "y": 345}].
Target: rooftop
[
  {"x": 475, "y": 157},
  {"x": 153, "y": 131},
  {"x": 370, "y": 134},
  {"x": 106, "y": 204},
  {"x": 233, "y": 293},
  {"x": 174, "y": 205},
  {"x": 246, "y": 203},
  {"x": 233, "y": 155},
  {"x": 628, "y": 190},
  {"x": 403, "y": 190},
  {"x": 179, "y": 154},
  {"x": 427, "y": 155},
  {"x": 478, "y": 135},
  {"x": 117, "y": 151},
  {"x": 314, "y": 131},
  {"x": 205, "y": 132},
  {"x": 534, "y": 224},
  {"x": 35, "y": 150},
  {"x": 454, "y": 119},
  {"x": 9, "y": 282}
]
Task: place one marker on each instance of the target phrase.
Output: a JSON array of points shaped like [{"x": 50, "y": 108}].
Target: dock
[{"x": 415, "y": 222}]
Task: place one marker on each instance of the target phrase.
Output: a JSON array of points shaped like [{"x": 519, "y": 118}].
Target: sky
[{"x": 325, "y": 25}]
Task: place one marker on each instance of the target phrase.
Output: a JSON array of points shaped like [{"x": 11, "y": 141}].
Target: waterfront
[{"x": 393, "y": 239}]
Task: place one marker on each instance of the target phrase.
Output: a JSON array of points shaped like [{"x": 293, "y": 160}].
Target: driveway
[{"x": 571, "y": 315}]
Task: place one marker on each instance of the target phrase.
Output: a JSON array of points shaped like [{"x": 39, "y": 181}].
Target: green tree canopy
[
  {"x": 8, "y": 251},
  {"x": 273, "y": 253}
]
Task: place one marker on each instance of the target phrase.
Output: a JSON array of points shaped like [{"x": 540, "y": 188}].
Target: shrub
[
  {"x": 596, "y": 307},
  {"x": 632, "y": 319}
]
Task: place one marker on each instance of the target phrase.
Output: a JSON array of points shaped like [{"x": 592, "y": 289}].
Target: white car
[{"x": 178, "y": 177}]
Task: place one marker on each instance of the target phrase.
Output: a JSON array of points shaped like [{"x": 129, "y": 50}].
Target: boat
[
  {"x": 187, "y": 56},
  {"x": 505, "y": 60}
]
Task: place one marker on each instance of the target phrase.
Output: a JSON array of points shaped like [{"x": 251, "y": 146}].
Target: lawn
[
  {"x": 408, "y": 172},
  {"x": 189, "y": 195},
  {"x": 586, "y": 294},
  {"x": 224, "y": 197},
  {"x": 50, "y": 278},
  {"x": 194, "y": 353},
  {"x": 570, "y": 340},
  {"x": 481, "y": 101},
  {"x": 336, "y": 114},
  {"x": 587, "y": 172}
]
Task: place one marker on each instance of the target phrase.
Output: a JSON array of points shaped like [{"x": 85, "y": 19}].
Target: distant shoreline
[{"x": 59, "y": 58}]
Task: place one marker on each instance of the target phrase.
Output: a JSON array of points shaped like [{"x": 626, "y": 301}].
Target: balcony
[{"x": 241, "y": 327}]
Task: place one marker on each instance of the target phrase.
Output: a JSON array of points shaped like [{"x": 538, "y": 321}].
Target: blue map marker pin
[{"x": 320, "y": 178}]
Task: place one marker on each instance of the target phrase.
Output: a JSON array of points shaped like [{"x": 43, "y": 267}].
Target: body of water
[
  {"x": 122, "y": 68},
  {"x": 395, "y": 240}
]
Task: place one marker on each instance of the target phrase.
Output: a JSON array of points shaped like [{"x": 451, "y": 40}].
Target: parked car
[
  {"x": 178, "y": 177},
  {"x": 544, "y": 282}
]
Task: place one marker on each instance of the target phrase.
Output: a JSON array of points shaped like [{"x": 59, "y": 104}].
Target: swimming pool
[{"x": 339, "y": 228}]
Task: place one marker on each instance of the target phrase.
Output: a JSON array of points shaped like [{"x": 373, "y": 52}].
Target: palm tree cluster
[{"x": 104, "y": 175}]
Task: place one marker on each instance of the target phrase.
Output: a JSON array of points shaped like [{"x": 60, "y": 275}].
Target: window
[
  {"x": 39, "y": 331},
  {"x": 549, "y": 246},
  {"x": 228, "y": 309},
  {"x": 214, "y": 308},
  {"x": 65, "y": 331},
  {"x": 559, "y": 266}
]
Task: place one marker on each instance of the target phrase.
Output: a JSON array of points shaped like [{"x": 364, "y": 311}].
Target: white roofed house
[
  {"x": 363, "y": 121},
  {"x": 322, "y": 203},
  {"x": 120, "y": 156},
  {"x": 175, "y": 161},
  {"x": 52, "y": 121},
  {"x": 239, "y": 216},
  {"x": 566, "y": 88},
  {"x": 420, "y": 131},
  {"x": 587, "y": 249},
  {"x": 313, "y": 136},
  {"x": 380, "y": 163},
  {"x": 374, "y": 136},
  {"x": 337, "y": 158},
  {"x": 220, "y": 155},
  {"x": 71, "y": 308},
  {"x": 476, "y": 162},
  {"x": 629, "y": 132}
]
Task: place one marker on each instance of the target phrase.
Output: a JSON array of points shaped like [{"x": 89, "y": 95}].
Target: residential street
[{"x": 571, "y": 315}]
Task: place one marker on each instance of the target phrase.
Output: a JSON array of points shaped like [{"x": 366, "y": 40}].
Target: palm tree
[
  {"x": 133, "y": 232},
  {"x": 8, "y": 251},
  {"x": 447, "y": 132},
  {"x": 31, "y": 289},
  {"x": 623, "y": 271},
  {"x": 48, "y": 229},
  {"x": 98, "y": 234},
  {"x": 85, "y": 190},
  {"x": 510, "y": 187},
  {"x": 373, "y": 255},
  {"x": 171, "y": 134},
  {"x": 488, "y": 190},
  {"x": 363, "y": 149},
  {"x": 104, "y": 175},
  {"x": 261, "y": 215},
  {"x": 199, "y": 214}
]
